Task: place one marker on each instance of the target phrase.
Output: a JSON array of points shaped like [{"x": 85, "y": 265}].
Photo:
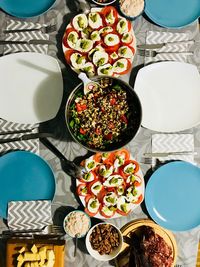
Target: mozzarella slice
[
  {"x": 88, "y": 177},
  {"x": 106, "y": 29},
  {"x": 92, "y": 51},
  {"x": 110, "y": 18},
  {"x": 127, "y": 38},
  {"x": 89, "y": 69},
  {"x": 103, "y": 171},
  {"x": 80, "y": 22},
  {"x": 100, "y": 58},
  {"x": 95, "y": 36},
  {"x": 119, "y": 161},
  {"x": 132, "y": 193},
  {"x": 110, "y": 199},
  {"x": 72, "y": 38},
  {"x": 77, "y": 60},
  {"x": 114, "y": 55},
  {"x": 90, "y": 164},
  {"x": 95, "y": 20},
  {"x": 107, "y": 211},
  {"x": 125, "y": 51},
  {"x": 123, "y": 205},
  {"x": 106, "y": 69},
  {"x": 122, "y": 26},
  {"x": 120, "y": 190},
  {"x": 93, "y": 205},
  {"x": 113, "y": 181},
  {"x": 96, "y": 188},
  {"x": 120, "y": 65},
  {"x": 84, "y": 45},
  {"x": 111, "y": 39},
  {"x": 132, "y": 178},
  {"x": 129, "y": 168}
]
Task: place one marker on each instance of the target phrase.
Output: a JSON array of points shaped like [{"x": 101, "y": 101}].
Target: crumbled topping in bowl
[
  {"x": 132, "y": 8},
  {"x": 77, "y": 223}
]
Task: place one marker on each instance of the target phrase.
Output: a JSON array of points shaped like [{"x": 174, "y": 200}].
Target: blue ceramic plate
[
  {"x": 26, "y": 8},
  {"x": 172, "y": 13},
  {"x": 172, "y": 196},
  {"x": 24, "y": 176}
]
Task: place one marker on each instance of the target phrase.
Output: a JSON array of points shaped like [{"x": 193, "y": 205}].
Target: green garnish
[
  {"x": 91, "y": 164},
  {"x": 87, "y": 176},
  {"x": 124, "y": 208},
  {"x": 80, "y": 22},
  {"x": 97, "y": 187},
  {"x": 93, "y": 204},
  {"x": 119, "y": 64}
]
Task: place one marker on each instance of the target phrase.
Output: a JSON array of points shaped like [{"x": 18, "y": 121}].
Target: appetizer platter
[
  {"x": 147, "y": 241},
  {"x": 99, "y": 43},
  {"x": 112, "y": 185}
]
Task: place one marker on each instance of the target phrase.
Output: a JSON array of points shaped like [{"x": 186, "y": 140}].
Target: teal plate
[
  {"x": 24, "y": 176},
  {"x": 26, "y": 8},
  {"x": 172, "y": 13},
  {"x": 172, "y": 196}
]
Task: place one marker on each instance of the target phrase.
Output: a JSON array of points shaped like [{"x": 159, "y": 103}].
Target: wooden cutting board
[{"x": 14, "y": 245}]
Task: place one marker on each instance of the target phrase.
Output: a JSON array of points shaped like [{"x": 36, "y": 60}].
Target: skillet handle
[{"x": 70, "y": 167}]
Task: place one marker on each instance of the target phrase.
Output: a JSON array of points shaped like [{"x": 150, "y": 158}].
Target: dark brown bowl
[{"x": 134, "y": 119}]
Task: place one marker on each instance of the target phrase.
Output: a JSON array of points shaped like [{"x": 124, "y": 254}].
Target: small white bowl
[
  {"x": 104, "y": 4},
  {"x": 68, "y": 215},
  {"x": 105, "y": 257}
]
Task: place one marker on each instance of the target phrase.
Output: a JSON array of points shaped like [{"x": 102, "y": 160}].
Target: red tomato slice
[
  {"x": 129, "y": 25},
  {"x": 98, "y": 157},
  {"x": 105, "y": 215},
  {"x": 68, "y": 54},
  {"x": 102, "y": 194},
  {"x": 124, "y": 119},
  {"x": 128, "y": 68},
  {"x": 79, "y": 190},
  {"x": 136, "y": 183},
  {"x": 111, "y": 49},
  {"x": 106, "y": 11},
  {"x": 123, "y": 152},
  {"x": 121, "y": 212},
  {"x": 140, "y": 198}
]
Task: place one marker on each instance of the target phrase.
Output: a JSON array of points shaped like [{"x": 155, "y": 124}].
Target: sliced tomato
[
  {"x": 136, "y": 183},
  {"x": 98, "y": 131},
  {"x": 129, "y": 25},
  {"x": 82, "y": 131},
  {"x": 108, "y": 136},
  {"x": 81, "y": 107},
  {"x": 123, "y": 213},
  {"x": 82, "y": 163},
  {"x": 111, "y": 49},
  {"x": 123, "y": 152},
  {"x": 124, "y": 119},
  {"x": 102, "y": 194},
  {"x": 80, "y": 188},
  {"x": 68, "y": 54},
  {"x": 98, "y": 157},
  {"x": 105, "y": 215},
  {"x": 91, "y": 214},
  {"x": 132, "y": 49},
  {"x": 128, "y": 68},
  {"x": 106, "y": 11},
  {"x": 140, "y": 198}
]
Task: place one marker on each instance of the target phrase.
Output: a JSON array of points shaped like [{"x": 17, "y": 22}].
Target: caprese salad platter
[
  {"x": 112, "y": 186},
  {"x": 99, "y": 43}
]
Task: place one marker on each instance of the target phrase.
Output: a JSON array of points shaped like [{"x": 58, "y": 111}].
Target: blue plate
[
  {"x": 24, "y": 176},
  {"x": 26, "y": 8},
  {"x": 172, "y": 13},
  {"x": 172, "y": 196}
]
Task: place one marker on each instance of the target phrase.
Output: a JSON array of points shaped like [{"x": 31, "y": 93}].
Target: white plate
[
  {"x": 31, "y": 87},
  {"x": 169, "y": 93}
]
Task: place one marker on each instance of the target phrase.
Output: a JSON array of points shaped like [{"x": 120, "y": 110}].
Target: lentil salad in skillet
[{"x": 104, "y": 116}]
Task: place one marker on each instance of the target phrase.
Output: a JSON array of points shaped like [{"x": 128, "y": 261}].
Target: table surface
[{"x": 65, "y": 200}]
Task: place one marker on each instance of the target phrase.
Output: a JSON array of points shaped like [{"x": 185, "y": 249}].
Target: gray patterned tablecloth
[{"x": 61, "y": 14}]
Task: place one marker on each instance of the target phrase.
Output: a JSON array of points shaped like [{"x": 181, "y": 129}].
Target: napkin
[
  {"x": 29, "y": 215},
  {"x": 28, "y": 145},
  {"x": 176, "y": 42},
  {"x": 23, "y": 36},
  {"x": 173, "y": 143}
]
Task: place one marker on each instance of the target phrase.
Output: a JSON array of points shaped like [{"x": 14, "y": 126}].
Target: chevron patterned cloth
[
  {"x": 173, "y": 143},
  {"x": 25, "y": 215},
  {"x": 24, "y": 36},
  {"x": 28, "y": 145},
  {"x": 176, "y": 42}
]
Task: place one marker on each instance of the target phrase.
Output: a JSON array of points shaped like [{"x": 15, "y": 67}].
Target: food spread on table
[
  {"x": 112, "y": 185},
  {"x": 104, "y": 238},
  {"x": 131, "y": 8},
  {"x": 100, "y": 43}
]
